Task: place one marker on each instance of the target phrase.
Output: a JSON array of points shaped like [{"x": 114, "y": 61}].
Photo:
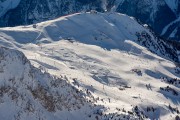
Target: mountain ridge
[
  {"x": 60, "y": 29},
  {"x": 157, "y": 14}
]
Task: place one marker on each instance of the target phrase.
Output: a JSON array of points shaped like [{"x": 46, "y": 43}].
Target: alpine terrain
[
  {"x": 64, "y": 60},
  {"x": 161, "y": 15}
]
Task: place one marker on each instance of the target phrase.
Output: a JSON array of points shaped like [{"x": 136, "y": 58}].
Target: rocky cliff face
[{"x": 161, "y": 15}]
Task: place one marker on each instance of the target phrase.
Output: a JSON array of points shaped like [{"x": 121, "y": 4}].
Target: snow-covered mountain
[
  {"x": 111, "y": 33},
  {"x": 114, "y": 70},
  {"x": 161, "y": 15},
  {"x": 28, "y": 93}
]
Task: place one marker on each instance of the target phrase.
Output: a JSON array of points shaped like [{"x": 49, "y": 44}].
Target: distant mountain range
[{"x": 161, "y": 15}]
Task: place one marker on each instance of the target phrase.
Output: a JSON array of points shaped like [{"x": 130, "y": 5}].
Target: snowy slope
[
  {"x": 31, "y": 93},
  {"x": 111, "y": 76},
  {"x": 108, "y": 61},
  {"x": 111, "y": 30}
]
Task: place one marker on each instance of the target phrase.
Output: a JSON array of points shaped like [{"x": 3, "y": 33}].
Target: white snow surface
[{"x": 95, "y": 53}]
